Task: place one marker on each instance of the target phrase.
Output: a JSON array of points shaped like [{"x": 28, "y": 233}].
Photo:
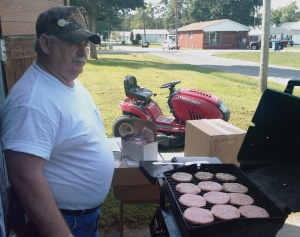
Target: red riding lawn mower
[{"x": 184, "y": 104}]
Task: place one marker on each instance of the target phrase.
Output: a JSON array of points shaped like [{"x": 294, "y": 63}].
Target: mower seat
[{"x": 132, "y": 90}]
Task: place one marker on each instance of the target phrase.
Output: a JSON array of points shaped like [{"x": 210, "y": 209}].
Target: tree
[
  {"x": 97, "y": 10},
  {"x": 290, "y": 13},
  {"x": 190, "y": 11},
  {"x": 131, "y": 36},
  {"x": 138, "y": 37},
  {"x": 168, "y": 12},
  {"x": 128, "y": 18},
  {"x": 285, "y": 14},
  {"x": 275, "y": 16},
  {"x": 152, "y": 21},
  {"x": 257, "y": 16}
]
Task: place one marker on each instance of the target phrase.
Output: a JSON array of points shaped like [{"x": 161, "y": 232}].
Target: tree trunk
[
  {"x": 93, "y": 51},
  {"x": 91, "y": 19}
]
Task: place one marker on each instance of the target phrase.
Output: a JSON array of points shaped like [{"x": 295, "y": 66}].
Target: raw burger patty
[
  {"x": 214, "y": 197},
  {"x": 251, "y": 211},
  {"x": 198, "y": 215},
  {"x": 188, "y": 188},
  {"x": 240, "y": 199},
  {"x": 209, "y": 186},
  {"x": 234, "y": 188},
  {"x": 192, "y": 200},
  {"x": 182, "y": 177},
  {"x": 204, "y": 175},
  {"x": 225, "y": 212},
  {"x": 225, "y": 177}
]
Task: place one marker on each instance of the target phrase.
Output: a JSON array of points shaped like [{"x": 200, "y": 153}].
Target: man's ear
[{"x": 44, "y": 43}]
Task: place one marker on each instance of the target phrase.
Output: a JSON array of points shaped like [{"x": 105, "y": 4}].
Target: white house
[
  {"x": 289, "y": 30},
  {"x": 152, "y": 35},
  {"x": 295, "y": 30},
  {"x": 120, "y": 36}
]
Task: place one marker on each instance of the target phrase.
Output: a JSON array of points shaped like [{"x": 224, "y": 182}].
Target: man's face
[{"x": 68, "y": 59}]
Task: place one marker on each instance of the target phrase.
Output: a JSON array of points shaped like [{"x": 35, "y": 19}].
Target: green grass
[
  {"x": 104, "y": 79},
  {"x": 286, "y": 59}
]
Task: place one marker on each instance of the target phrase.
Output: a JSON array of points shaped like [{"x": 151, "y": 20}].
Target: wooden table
[{"x": 130, "y": 185}]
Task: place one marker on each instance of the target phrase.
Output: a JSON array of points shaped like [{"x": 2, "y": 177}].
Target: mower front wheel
[{"x": 123, "y": 126}]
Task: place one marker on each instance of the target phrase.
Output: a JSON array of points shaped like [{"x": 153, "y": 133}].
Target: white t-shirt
[{"x": 44, "y": 117}]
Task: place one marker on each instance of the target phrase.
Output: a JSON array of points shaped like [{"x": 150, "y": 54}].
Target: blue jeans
[
  {"x": 2, "y": 226},
  {"x": 84, "y": 225},
  {"x": 80, "y": 225}
]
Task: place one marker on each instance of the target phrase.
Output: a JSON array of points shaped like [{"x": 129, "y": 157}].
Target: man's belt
[{"x": 78, "y": 212}]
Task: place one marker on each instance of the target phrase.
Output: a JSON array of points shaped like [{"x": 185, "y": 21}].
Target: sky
[
  {"x": 282, "y": 3},
  {"x": 274, "y": 3}
]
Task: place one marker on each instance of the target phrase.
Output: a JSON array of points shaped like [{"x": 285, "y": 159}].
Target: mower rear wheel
[{"x": 123, "y": 126}]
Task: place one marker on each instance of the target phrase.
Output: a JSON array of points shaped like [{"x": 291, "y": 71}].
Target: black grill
[
  {"x": 235, "y": 227},
  {"x": 269, "y": 168}
]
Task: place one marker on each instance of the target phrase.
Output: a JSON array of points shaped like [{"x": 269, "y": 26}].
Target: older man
[{"x": 59, "y": 161}]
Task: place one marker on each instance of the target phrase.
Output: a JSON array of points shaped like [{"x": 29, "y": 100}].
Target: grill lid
[{"x": 269, "y": 154}]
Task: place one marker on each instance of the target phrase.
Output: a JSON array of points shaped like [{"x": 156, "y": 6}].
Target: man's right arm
[{"x": 25, "y": 173}]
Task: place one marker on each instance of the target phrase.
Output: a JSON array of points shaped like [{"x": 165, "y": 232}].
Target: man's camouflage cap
[{"x": 67, "y": 23}]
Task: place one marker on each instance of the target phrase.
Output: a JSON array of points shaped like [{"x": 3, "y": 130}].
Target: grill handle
[{"x": 290, "y": 86}]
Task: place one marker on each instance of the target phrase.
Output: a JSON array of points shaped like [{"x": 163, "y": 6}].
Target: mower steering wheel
[{"x": 170, "y": 84}]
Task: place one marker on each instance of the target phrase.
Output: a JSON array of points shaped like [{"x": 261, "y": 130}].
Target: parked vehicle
[
  {"x": 145, "y": 44},
  {"x": 170, "y": 45},
  {"x": 184, "y": 104},
  {"x": 257, "y": 44},
  {"x": 290, "y": 41}
]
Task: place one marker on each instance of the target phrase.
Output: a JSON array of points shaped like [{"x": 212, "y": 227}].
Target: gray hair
[{"x": 37, "y": 46}]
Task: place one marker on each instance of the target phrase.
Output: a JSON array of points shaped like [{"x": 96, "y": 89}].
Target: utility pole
[
  {"x": 176, "y": 25},
  {"x": 144, "y": 19},
  {"x": 264, "y": 56},
  {"x": 123, "y": 26}
]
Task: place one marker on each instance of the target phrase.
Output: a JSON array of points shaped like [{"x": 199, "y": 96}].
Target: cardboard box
[
  {"x": 213, "y": 137},
  {"x": 137, "y": 152}
]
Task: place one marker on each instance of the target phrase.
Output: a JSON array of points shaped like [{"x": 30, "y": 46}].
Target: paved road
[{"x": 205, "y": 58}]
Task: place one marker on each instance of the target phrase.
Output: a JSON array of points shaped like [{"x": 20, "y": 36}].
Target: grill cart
[{"x": 269, "y": 167}]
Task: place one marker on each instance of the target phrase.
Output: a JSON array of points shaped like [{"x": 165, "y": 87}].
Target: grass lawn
[
  {"x": 286, "y": 59},
  {"x": 104, "y": 79}
]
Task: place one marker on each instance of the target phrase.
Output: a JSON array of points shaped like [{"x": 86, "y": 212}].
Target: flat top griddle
[{"x": 235, "y": 227}]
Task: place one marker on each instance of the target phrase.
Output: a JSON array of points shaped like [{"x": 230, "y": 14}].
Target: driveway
[{"x": 205, "y": 58}]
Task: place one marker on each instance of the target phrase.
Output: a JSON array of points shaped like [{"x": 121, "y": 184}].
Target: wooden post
[
  {"x": 3, "y": 176},
  {"x": 176, "y": 25},
  {"x": 264, "y": 56}
]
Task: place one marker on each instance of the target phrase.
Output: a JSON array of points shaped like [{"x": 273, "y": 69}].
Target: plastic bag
[
  {"x": 148, "y": 134},
  {"x": 142, "y": 138}
]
